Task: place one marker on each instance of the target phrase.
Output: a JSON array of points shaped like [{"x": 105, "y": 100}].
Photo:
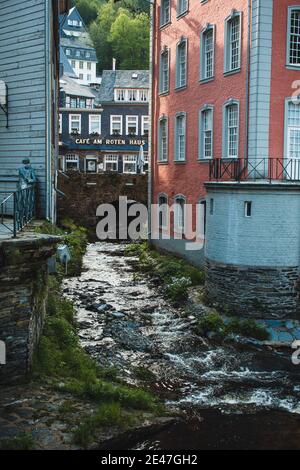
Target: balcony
[
  {"x": 17, "y": 209},
  {"x": 255, "y": 169}
]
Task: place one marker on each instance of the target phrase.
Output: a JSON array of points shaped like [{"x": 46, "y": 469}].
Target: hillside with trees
[{"x": 118, "y": 29}]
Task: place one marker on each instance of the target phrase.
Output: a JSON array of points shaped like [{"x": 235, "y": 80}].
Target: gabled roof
[
  {"x": 112, "y": 79},
  {"x": 73, "y": 88}
]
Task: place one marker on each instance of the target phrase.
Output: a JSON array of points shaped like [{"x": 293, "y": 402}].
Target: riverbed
[{"x": 231, "y": 396}]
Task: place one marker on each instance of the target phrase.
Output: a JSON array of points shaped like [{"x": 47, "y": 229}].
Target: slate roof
[
  {"x": 71, "y": 87},
  {"x": 68, "y": 70},
  {"x": 112, "y": 79},
  {"x": 76, "y": 42}
]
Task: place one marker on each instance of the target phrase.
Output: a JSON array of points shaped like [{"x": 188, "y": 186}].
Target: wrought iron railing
[
  {"x": 280, "y": 169},
  {"x": 18, "y": 207}
]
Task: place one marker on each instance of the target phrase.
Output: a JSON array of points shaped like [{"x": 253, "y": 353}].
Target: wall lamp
[{"x": 4, "y": 99}]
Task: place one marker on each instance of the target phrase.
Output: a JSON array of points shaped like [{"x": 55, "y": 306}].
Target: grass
[
  {"x": 176, "y": 275},
  {"x": 214, "y": 323},
  {"x": 21, "y": 442}
]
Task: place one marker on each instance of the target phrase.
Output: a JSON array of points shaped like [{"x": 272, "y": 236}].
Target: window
[
  {"x": 81, "y": 65},
  {"x": 73, "y": 63},
  {"x": 73, "y": 102},
  {"x": 70, "y": 22},
  {"x": 207, "y": 54},
  {"x": 145, "y": 125},
  {"x": 293, "y": 136},
  {"x": 116, "y": 125},
  {"x": 163, "y": 214},
  {"x": 132, "y": 95},
  {"x": 212, "y": 206},
  {"x": 77, "y": 53},
  {"x": 87, "y": 55},
  {"x": 233, "y": 43},
  {"x": 60, "y": 123},
  {"x": 163, "y": 140},
  {"x": 68, "y": 52},
  {"x": 181, "y": 64},
  {"x": 144, "y": 96},
  {"x": 89, "y": 77},
  {"x": 111, "y": 162},
  {"x": 164, "y": 12},
  {"x": 71, "y": 162},
  {"x": 182, "y": 6},
  {"x": 206, "y": 133},
  {"x": 180, "y": 137},
  {"x": 89, "y": 65},
  {"x": 231, "y": 130},
  {"x": 75, "y": 124},
  {"x": 95, "y": 124},
  {"x": 248, "y": 208},
  {"x": 293, "y": 49},
  {"x": 89, "y": 103},
  {"x": 129, "y": 164},
  {"x": 164, "y": 72},
  {"x": 132, "y": 125},
  {"x": 179, "y": 214},
  {"x": 82, "y": 103},
  {"x": 81, "y": 76},
  {"x": 120, "y": 95}
]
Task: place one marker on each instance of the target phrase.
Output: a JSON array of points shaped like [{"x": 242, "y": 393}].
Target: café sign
[{"x": 98, "y": 141}]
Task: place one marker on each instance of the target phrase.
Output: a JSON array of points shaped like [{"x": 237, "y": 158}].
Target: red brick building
[{"x": 226, "y": 128}]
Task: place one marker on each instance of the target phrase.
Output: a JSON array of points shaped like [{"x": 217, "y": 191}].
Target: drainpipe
[
  {"x": 246, "y": 147},
  {"x": 48, "y": 111},
  {"x": 151, "y": 98}
]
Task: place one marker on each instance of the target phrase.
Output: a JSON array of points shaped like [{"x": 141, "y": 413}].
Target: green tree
[
  {"x": 88, "y": 9},
  {"x": 129, "y": 37}
]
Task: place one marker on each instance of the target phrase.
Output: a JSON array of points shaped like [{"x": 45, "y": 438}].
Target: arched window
[
  {"x": 181, "y": 63},
  {"x": 207, "y": 48},
  {"x": 232, "y": 50},
  {"x": 206, "y": 132},
  {"x": 164, "y": 12},
  {"x": 231, "y": 129},
  {"x": 179, "y": 213},
  {"x": 163, "y": 214}
]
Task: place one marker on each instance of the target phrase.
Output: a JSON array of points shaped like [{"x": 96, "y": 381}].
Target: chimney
[{"x": 114, "y": 64}]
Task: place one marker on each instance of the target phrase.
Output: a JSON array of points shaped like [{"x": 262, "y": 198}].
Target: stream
[{"x": 232, "y": 396}]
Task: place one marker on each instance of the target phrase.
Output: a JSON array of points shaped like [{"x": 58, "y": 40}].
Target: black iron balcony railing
[
  {"x": 279, "y": 169},
  {"x": 17, "y": 209}
]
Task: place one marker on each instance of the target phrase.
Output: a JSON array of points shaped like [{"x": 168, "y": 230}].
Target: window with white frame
[
  {"x": 163, "y": 211},
  {"x": 293, "y": 131},
  {"x": 181, "y": 63},
  {"x": 293, "y": 54},
  {"x": 132, "y": 95},
  {"x": 89, "y": 77},
  {"x": 182, "y": 7},
  {"x": 164, "y": 12},
  {"x": 73, "y": 63},
  {"x": 231, "y": 131},
  {"x": 81, "y": 64},
  {"x": 68, "y": 51},
  {"x": 180, "y": 137},
  {"x": 207, "y": 54},
  {"x": 179, "y": 214},
  {"x": 132, "y": 125},
  {"x": 71, "y": 162},
  {"x": 111, "y": 162},
  {"x": 129, "y": 164},
  {"x": 233, "y": 42},
  {"x": 89, "y": 65},
  {"x": 78, "y": 54},
  {"x": 206, "y": 133},
  {"x": 116, "y": 125},
  {"x": 81, "y": 77},
  {"x": 75, "y": 124},
  {"x": 164, "y": 71},
  {"x": 60, "y": 123},
  {"x": 163, "y": 140},
  {"x": 248, "y": 208},
  {"x": 120, "y": 95},
  {"x": 145, "y": 125},
  {"x": 144, "y": 96},
  {"x": 95, "y": 124}
]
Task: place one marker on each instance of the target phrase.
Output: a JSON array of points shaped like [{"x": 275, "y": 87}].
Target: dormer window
[{"x": 132, "y": 95}]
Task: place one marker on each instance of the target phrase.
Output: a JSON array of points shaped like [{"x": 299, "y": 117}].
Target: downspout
[
  {"x": 151, "y": 84},
  {"x": 248, "y": 70},
  {"x": 48, "y": 111}
]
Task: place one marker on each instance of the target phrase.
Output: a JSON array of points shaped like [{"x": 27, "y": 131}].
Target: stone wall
[
  {"x": 85, "y": 192},
  {"x": 23, "y": 295},
  {"x": 252, "y": 291}
]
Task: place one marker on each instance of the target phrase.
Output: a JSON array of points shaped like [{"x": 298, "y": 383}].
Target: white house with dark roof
[{"x": 78, "y": 47}]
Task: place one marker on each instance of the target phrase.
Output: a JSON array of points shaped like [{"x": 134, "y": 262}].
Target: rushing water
[{"x": 239, "y": 391}]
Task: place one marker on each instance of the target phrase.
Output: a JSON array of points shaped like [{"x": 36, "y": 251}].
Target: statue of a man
[{"x": 27, "y": 176}]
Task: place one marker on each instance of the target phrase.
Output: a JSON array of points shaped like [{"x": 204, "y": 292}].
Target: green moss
[
  {"x": 178, "y": 289},
  {"x": 144, "y": 374},
  {"x": 214, "y": 323},
  {"x": 21, "y": 442}
]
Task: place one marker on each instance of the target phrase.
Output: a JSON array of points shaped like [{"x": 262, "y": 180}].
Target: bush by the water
[
  {"x": 175, "y": 274},
  {"x": 214, "y": 323},
  {"x": 75, "y": 237}
]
